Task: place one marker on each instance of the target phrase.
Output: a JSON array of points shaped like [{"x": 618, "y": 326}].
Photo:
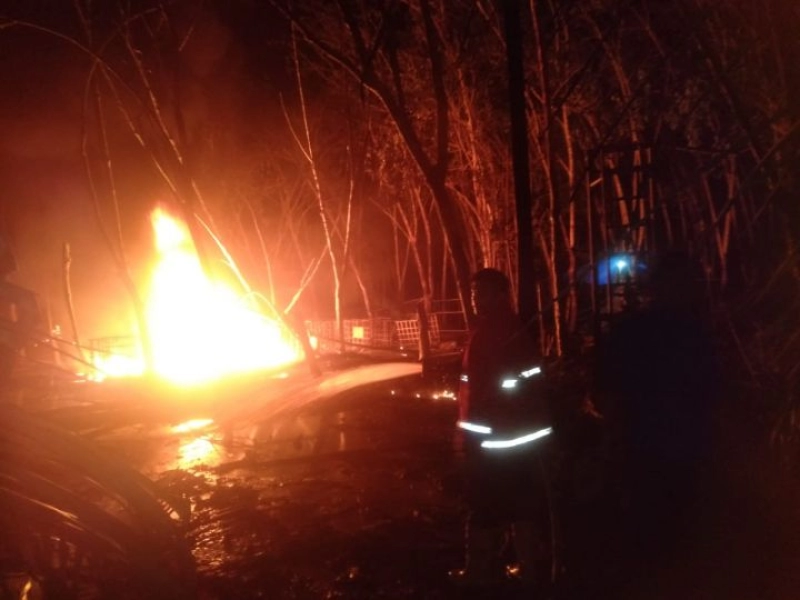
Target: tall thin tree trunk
[
  {"x": 552, "y": 264},
  {"x": 309, "y": 153},
  {"x": 570, "y": 241},
  {"x": 118, "y": 254},
  {"x": 73, "y": 321}
]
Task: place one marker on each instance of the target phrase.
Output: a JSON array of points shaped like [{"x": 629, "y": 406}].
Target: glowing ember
[
  {"x": 116, "y": 365},
  {"x": 200, "y": 329}
]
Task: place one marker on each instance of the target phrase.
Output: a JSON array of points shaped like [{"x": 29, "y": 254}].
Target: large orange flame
[{"x": 199, "y": 329}]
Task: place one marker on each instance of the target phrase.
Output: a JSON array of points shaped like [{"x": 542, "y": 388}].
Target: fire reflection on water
[
  {"x": 196, "y": 452},
  {"x": 197, "y": 446}
]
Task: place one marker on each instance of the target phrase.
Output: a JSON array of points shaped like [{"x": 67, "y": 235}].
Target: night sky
[{"x": 46, "y": 200}]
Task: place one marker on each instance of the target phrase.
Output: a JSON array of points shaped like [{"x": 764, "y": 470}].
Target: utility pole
[{"x": 520, "y": 161}]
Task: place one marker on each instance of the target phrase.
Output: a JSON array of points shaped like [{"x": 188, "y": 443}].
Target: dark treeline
[{"x": 352, "y": 156}]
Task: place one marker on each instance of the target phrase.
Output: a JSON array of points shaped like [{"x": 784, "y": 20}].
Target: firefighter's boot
[
  {"x": 483, "y": 565},
  {"x": 528, "y": 546}
]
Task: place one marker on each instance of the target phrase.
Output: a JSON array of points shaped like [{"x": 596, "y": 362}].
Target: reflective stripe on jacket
[
  {"x": 500, "y": 398},
  {"x": 496, "y": 436}
]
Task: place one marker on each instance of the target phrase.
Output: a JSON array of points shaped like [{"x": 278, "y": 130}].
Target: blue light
[{"x": 617, "y": 268}]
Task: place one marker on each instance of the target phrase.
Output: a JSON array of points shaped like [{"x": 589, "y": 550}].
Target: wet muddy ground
[
  {"x": 349, "y": 489},
  {"x": 359, "y": 498},
  {"x": 356, "y": 497}
]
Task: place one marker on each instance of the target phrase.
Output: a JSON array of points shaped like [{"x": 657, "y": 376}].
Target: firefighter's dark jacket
[{"x": 501, "y": 378}]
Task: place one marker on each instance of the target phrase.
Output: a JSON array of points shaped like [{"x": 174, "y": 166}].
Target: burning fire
[{"x": 199, "y": 329}]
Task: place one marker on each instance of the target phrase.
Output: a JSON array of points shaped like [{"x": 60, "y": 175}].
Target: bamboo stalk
[{"x": 66, "y": 266}]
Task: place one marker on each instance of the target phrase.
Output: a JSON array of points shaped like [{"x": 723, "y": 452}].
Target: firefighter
[{"x": 502, "y": 425}]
